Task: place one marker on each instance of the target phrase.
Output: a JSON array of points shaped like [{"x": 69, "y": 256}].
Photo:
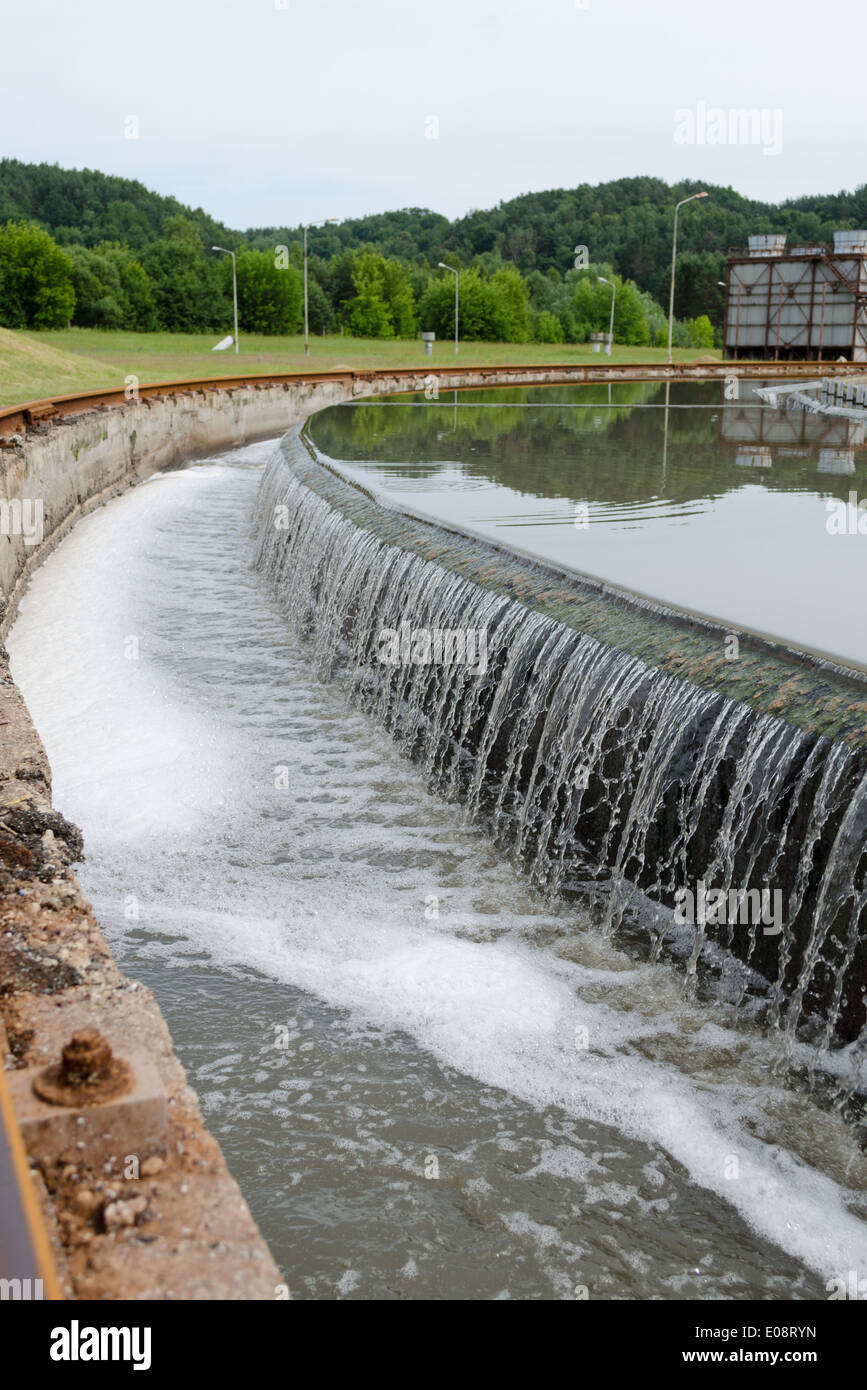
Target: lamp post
[
  {"x": 677, "y": 208},
  {"x": 442, "y": 265},
  {"x": 319, "y": 223},
  {"x": 226, "y": 250},
  {"x": 603, "y": 281}
]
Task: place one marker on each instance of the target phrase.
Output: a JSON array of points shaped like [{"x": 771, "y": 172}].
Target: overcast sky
[{"x": 270, "y": 112}]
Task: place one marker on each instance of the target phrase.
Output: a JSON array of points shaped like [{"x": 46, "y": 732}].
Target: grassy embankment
[{"x": 60, "y": 361}]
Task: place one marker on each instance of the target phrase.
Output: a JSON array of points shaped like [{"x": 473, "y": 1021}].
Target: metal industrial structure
[
  {"x": 758, "y": 437},
  {"x": 804, "y": 303}
]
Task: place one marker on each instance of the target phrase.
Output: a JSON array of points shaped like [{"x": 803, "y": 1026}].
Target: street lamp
[
  {"x": 678, "y": 206},
  {"x": 234, "y": 286},
  {"x": 442, "y": 265},
  {"x": 603, "y": 281},
  {"x": 319, "y": 223}
]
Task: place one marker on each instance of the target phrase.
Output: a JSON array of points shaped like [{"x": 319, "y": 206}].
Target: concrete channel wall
[
  {"x": 172, "y": 1224},
  {"x": 180, "y": 1228}
]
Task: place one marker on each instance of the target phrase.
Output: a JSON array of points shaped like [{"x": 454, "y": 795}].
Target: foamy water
[{"x": 260, "y": 854}]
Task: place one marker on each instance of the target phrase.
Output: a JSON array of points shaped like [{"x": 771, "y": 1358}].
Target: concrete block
[{"x": 132, "y": 1124}]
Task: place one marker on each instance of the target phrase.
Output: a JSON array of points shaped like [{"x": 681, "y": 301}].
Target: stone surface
[{"x": 133, "y": 1125}]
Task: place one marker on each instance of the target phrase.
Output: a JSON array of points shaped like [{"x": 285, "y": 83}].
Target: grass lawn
[{"x": 59, "y": 361}]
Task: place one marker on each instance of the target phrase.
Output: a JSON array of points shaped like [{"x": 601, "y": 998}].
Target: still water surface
[{"x": 718, "y": 506}]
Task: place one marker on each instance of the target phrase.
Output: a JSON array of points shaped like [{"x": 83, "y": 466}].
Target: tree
[
  {"x": 270, "y": 300},
  {"x": 339, "y": 284},
  {"x": 489, "y": 309},
  {"x": 36, "y": 289},
  {"x": 543, "y": 290},
  {"x": 139, "y": 307},
  {"x": 698, "y": 332},
  {"x": 98, "y": 294},
  {"x": 512, "y": 301},
  {"x": 630, "y": 321},
  {"x": 320, "y": 314},
  {"x": 696, "y": 288},
  {"x": 591, "y": 306},
  {"x": 183, "y": 229},
  {"x": 368, "y": 312},
  {"x": 399, "y": 299},
  {"x": 547, "y": 328},
  {"x": 383, "y": 305},
  {"x": 627, "y": 224},
  {"x": 192, "y": 294}
]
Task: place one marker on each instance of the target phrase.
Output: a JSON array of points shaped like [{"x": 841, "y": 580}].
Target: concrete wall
[{"x": 76, "y": 462}]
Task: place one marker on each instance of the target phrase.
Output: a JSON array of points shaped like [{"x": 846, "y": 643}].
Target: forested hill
[
  {"x": 625, "y": 223},
  {"x": 84, "y": 248},
  {"x": 628, "y": 223},
  {"x": 84, "y": 206}
]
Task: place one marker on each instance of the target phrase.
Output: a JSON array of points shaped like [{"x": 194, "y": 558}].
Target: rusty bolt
[
  {"x": 86, "y": 1058},
  {"x": 88, "y": 1073}
]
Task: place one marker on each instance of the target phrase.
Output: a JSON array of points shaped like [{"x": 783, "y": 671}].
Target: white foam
[
  {"x": 329, "y": 903},
  {"x": 127, "y": 757}
]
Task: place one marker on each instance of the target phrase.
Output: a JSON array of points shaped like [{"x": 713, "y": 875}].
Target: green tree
[
  {"x": 543, "y": 291},
  {"x": 630, "y": 321},
  {"x": 512, "y": 304},
  {"x": 697, "y": 332},
  {"x": 99, "y": 299},
  {"x": 368, "y": 311},
  {"x": 320, "y": 314},
  {"x": 183, "y": 229},
  {"x": 270, "y": 300},
  {"x": 627, "y": 223},
  {"x": 36, "y": 289},
  {"x": 339, "y": 284},
  {"x": 139, "y": 307},
  {"x": 547, "y": 328},
  {"x": 696, "y": 287},
  {"x": 383, "y": 305},
  {"x": 192, "y": 294},
  {"x": 487, "y": 311},
  {"x": 591, "y": 306},
  {"x": 399, "y": 299}
]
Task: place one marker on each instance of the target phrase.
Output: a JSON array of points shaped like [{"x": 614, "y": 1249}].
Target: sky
[{"x": 277, "y": 112}]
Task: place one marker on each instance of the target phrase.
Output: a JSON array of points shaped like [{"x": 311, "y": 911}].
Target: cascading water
[
  {"x": 356, "y": 981},
  {"x": 607, "y": 778}
]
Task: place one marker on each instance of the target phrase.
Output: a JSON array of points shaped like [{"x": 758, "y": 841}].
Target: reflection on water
[{"x": 720, "y": 506}]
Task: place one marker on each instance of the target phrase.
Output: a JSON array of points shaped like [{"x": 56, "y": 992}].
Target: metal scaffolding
[{"x": 805, "y": 303}]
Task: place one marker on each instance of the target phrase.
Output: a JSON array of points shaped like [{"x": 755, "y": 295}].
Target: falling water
[
  {"x": 594, "y": 1129},
  {"x": 605, "y": 779}
]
